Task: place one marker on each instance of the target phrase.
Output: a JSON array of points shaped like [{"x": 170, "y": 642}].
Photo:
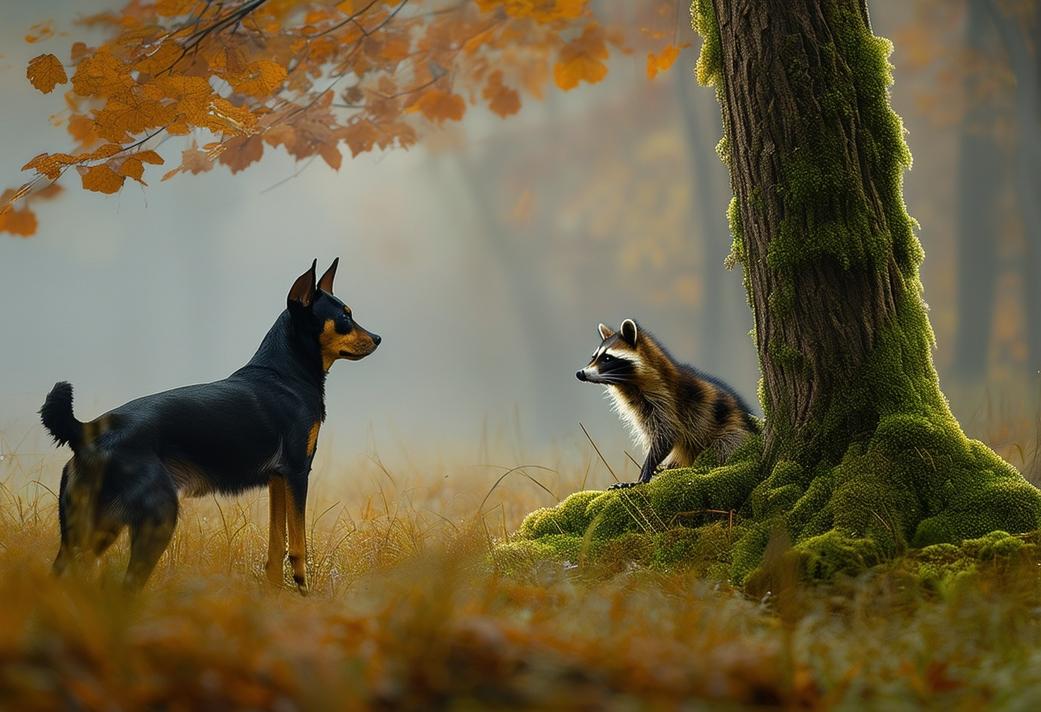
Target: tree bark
[{"x": 818, "y": 239}]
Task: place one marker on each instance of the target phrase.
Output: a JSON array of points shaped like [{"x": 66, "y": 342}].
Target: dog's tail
[{"x": 57, "y": 416}]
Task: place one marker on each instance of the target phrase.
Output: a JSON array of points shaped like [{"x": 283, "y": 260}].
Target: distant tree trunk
[
  {"x": 981, "y": 165},
  {"x": 709, "y": 215},
  {"x": 1023, "y": 44}
]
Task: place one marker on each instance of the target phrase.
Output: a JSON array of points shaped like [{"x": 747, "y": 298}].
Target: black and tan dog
[{"x": 257, "y": 427}]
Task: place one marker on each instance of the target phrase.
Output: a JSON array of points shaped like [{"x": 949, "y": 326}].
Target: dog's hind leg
[
  {"x": 152, "y": 526},
  {"x": 276, "y": 547},
  {"x": 81, "y": 481}
]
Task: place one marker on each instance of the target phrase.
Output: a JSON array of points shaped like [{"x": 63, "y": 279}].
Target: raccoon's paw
[{"x": 624, "y": 485}]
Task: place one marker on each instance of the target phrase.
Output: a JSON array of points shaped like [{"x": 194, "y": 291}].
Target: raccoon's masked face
[{"x": 615, "y": 361}]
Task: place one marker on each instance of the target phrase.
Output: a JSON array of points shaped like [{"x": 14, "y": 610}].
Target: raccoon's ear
[
  {"x": 629, "y": 332},
  {"x": 301, "y": 294},
  {"x": 605, "y": 331},
  {"x": 326, "y": 282}
]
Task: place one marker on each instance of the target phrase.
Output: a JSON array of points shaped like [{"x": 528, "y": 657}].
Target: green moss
[
  {"x": 709, "y": 69},
  {"x": 568, "y": 517}
]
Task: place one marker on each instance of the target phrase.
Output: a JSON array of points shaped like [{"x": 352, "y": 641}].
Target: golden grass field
[{"x": 408, "y": 611}]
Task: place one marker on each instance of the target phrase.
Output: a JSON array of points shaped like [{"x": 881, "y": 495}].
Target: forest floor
[{"x": 407, "y": 612}]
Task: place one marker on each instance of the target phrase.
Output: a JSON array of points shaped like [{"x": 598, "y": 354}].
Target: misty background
[{"x": 486, "y": 256}]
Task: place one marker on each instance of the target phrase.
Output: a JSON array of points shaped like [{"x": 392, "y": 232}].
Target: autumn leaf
[
  {"x": 100, "y": 75},
  {"x": 259, "y": 79},
  {"x": 437, "y": 105},
  {"x": 50, "y": 164},
  {"x": 331, "y": 155},
  {"x": 101, "y": 179},
  {"x": 45, "y": 72},
  {"x": 81, "y": 128},
  {"x": 21, "y": 222},
  {"x": 395, "y": 48},
  {"x": 582, "y": 59},
  {"x": 195, "y": 161},
  {"x": 132, "y": 168},
  {"x": 501, "y": 99},
  {"x": 149, "y": 157},
  {"x": 240, "y": 152},
  {"x": 662, "y": 61}
]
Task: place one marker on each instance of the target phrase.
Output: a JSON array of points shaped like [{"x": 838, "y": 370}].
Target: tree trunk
[
  {"x": 981, "y": 165},
  {"x": 861, "y": 453},
  {"x": 710, "y": 216},
  {"x": 1025, "y": 62}
]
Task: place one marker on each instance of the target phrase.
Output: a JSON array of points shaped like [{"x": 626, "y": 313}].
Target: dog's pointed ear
[
  {"x": 604, "y": 330},
  {"x": 326, "y": 282},
  {"x": 629, "y": 332},
  {"x": 301, "y": 294}
]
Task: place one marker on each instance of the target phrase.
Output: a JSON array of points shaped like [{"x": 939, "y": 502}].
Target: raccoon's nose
[{"x": 580, "y": 375}]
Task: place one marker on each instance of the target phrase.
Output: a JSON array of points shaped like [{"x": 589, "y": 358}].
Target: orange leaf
[
  {"x": 101, "y": 74},
  {"x": 102, "y": 179},
  {"x": 240, "y": 152},
  {"x": 82, "y": 129},
  {"x": 47, "y": 192},
  {"x": 50, "y": 164},
  {"x": 45, "y": 72},
  {"x": 18, "y": 222},
  {"x": 361, "y": 136},
  {"x": 438, "y": 105},
  {"x": 195, "y": 161},
  {"x": 503, "y": 100},
  {"x": 662, "y": 61},
  {"x": 331, "y": 155},
  {"x": 581, "y": 59},
  {"x": 149, "y": 157},
  {"x": 260, "y": 78},
  {"x": 395, "y": 48},
  {"x": 132, "y": 168}
]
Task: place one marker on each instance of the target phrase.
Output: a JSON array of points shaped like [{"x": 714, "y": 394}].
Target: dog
[{"x": 257, "y": 427}]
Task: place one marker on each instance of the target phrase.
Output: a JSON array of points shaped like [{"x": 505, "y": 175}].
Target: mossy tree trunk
[
  {"x": 853, "y": 403},
  {"x": 860, "y": 458}
]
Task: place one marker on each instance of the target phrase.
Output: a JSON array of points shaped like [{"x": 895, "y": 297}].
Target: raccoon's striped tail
[{"x": 57, "y": 416}]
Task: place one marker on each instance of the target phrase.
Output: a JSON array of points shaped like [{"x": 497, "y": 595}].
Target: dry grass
[{"x": 406, "y": 612}]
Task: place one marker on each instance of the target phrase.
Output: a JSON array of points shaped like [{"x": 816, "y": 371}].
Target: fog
[{"x": 487, "y": 296}]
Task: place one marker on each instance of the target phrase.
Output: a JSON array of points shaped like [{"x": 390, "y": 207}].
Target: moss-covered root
[{"x": 916, "y": 482}]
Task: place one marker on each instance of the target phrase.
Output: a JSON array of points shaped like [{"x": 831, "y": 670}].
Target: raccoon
[{"x": 674, "y": 411}]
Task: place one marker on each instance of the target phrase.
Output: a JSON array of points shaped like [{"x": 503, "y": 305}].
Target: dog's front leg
[
  {"x": 276, "y": 545},
  {"x": 296, "y": 498}
]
